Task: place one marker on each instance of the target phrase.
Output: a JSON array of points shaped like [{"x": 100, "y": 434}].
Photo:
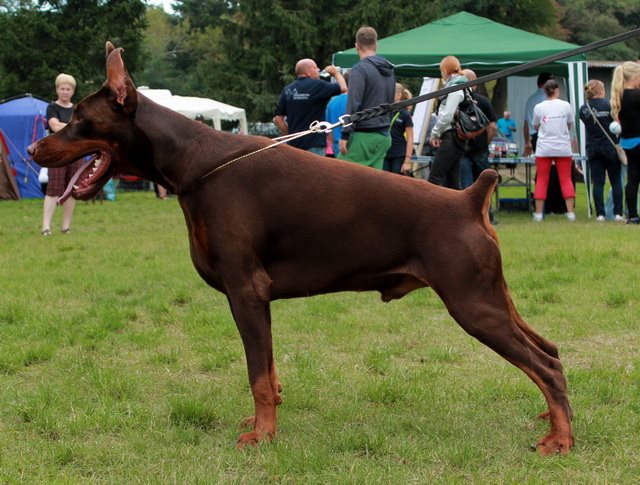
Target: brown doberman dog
[{"x": 284, "y": 223}]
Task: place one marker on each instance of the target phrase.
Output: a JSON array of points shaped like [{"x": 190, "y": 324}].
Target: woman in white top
[{"x": 553, "y": 120}]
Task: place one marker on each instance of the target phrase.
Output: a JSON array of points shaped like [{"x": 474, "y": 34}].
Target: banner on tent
[{"x": 422, "y": 113}]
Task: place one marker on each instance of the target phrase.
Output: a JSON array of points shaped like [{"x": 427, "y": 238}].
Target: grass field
[{"x": 119, "y": 365}]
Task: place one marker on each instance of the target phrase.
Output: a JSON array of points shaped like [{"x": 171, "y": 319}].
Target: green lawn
[{"x": 119, "y": 365}]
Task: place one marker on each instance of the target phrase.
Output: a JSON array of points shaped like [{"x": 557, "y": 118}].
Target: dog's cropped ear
[
  {"x": 123, "y": 94},
  {"x": 109, "y": 48}
]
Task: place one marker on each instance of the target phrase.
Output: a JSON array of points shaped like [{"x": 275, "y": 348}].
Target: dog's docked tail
[{"x": 481, "y": 192}]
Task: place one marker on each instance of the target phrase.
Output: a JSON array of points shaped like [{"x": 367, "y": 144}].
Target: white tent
[{"x": 192, "y": 106}]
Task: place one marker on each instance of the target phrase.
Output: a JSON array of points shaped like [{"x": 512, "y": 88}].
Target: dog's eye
[{"x": 82, "y": 127}]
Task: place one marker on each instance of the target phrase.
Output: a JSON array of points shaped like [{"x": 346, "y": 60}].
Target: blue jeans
[
  {"x": 466, "y": 172},
  {"x": 608, "y": 206},
  {"x": 603, "y": 161},
  {"x": 317, "y": 150},
  {"x": 471, "y": 166}
]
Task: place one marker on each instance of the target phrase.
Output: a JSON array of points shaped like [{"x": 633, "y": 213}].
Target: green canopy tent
[{"x": 480, "y": 44}]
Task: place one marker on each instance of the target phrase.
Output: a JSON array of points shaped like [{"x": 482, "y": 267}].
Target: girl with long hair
[{"x": 625, "y": 108}]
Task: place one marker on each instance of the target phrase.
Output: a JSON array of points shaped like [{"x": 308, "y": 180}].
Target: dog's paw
[
  {"x": 254, "y": 438},
  {"x": 552, "y": 445}
]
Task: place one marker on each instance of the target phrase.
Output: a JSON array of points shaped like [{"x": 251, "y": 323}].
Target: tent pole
[{"x": 577, "y": 79}]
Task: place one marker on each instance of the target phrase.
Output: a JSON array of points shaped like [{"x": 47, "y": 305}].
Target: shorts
[
  {"x": 60, "y": 177},
  {"x": 367, "y": 148}
]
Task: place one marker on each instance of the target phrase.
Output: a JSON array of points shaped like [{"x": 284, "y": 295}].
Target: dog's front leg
[{"x": 251, "y": 310}]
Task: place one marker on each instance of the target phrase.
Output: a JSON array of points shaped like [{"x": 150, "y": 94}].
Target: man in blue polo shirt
[
  {"x": 506, "y": 126},
  {"x": 304, "y": 101}
]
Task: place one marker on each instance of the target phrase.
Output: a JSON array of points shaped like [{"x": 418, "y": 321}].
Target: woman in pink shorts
[{"x": 553, "y": 120}]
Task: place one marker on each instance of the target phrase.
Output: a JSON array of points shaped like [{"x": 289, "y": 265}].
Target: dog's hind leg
[
  {"x": 250, "y": 304},
  {"x": 477, "y": 297},
  {"x": 544, "y": 344}
]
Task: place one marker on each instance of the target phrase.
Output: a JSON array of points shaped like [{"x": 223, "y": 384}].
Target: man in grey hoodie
[{"x": 371, "y": 83}]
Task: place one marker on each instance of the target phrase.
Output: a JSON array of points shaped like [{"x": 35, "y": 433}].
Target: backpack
[{"x": 469, "y": 121}]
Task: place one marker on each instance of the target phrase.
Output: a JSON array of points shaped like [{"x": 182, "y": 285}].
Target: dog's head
[{"x": 102, "y": 129}]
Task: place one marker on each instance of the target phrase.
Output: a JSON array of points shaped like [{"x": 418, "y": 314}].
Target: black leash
[{"x": 389, "y": 107}]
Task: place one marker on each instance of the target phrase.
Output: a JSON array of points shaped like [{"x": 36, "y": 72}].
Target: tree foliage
[
  {"x": 247, "y": 53},
  {"x": 536, "y": 16},
  {"x": 204, "y": 13},
  {"x": 591, "y": 20},
  {"x": 244, "y": 52},
  {"x": 41, "y": 39}
]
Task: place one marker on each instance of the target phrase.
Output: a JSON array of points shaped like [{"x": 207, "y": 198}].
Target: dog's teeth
[
  {"x": 97, "y": 162},
  {"x": 75, "y": 187}
]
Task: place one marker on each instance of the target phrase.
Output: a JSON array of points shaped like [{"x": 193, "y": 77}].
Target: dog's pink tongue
[{"x": 69, "y": 189}]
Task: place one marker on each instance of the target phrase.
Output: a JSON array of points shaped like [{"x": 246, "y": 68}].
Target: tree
[
  {"x": 604, "y": 19},
  {"x": 204, "y": 13},
  {"x": 42, "y": 39},
  {"x": 262, "y": 41},
  {"x": 538, "y": 16},
  {"x": 244, "y": 52},
  {"x": 163, "y": 40}
]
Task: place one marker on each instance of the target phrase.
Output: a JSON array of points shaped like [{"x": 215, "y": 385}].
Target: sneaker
[
  {"x": 633, "y": 220},
  {"x": 537, "y": 217},
  {"x": 619, "y": 218},
  {"x": 571, "y": 216},
  {"x": 600, "y": 219}
]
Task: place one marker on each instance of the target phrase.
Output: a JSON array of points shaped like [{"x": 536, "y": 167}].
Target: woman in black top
[
  {"x": 600, "y": 151},
  {"x": 58, "y": 115},
  {"x": 625, "y": 108},
  {"x": 398, "y": 158}
]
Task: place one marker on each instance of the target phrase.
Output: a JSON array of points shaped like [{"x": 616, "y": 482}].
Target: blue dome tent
[{"x": 23, "y": 121}]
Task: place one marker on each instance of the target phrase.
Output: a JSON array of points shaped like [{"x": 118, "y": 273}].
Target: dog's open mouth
[{"x": 89, "y": 179}]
